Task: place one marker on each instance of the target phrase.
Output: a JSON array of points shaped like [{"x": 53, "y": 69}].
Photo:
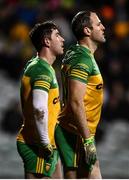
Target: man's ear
[
  {"x": 87, "y": 31},
  {"x": 47, "y": 42}
]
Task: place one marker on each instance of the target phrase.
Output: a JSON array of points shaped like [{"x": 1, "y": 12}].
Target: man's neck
[
  {"x": 47, "y": 56},
  {"x": 88, "y": 44}
]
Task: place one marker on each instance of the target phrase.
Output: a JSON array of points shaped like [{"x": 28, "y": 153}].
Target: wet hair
[
  {"x": 81, "y": 20},
  {"x": 41, "y": 31}
]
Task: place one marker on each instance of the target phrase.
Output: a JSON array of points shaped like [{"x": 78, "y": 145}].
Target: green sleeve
[
  {"x": 42, "y": 80},
  {"x": 81, "y": 70}
]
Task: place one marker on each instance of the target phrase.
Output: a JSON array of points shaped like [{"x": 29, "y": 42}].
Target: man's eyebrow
[{"x": 58, "y": 33}]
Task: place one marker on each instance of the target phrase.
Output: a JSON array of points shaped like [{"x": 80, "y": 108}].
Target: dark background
[{"x": 17, "y": 17}]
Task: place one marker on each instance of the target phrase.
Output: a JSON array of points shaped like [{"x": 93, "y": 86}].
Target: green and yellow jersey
[
  {"x": 79, "y": 64},
  {"x": 38, "y": 74}
]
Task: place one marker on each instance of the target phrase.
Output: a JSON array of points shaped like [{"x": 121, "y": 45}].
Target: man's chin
[{"x": 104, "y": 39}]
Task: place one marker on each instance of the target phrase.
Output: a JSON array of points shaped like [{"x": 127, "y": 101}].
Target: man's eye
[{"x": 57, "y": 35}]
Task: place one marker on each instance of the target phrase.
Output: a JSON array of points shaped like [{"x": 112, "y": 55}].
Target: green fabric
[
  {"x": 29, "y": 155},
  {"x": 80, "y": 58},
  {"x": 78, "y": 64},
  {"x": 39, "y": 70},
  {"x": 89, "y": 141},
  {"x": 67, "y": 146}
]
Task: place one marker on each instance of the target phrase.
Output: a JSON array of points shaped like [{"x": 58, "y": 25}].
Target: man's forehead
[
  {"x": 94, "y": 17},
  {"x": 55, "y": 31}
]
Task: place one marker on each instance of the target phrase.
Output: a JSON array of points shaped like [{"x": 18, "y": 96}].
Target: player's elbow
[{"x": 40, "y": 113}]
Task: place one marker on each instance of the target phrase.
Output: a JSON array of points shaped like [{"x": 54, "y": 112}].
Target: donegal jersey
[
  {"x": 38, "y": 74},
  {"x": 79, "y": 64}
]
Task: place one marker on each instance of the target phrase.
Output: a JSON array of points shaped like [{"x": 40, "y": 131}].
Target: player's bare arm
[{"x": 77, "y": 91}]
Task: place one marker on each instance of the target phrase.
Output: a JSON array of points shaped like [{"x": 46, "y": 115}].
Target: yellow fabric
[
  {"x": 93, "y": 101},
  {"x": 28, "y": 132}
]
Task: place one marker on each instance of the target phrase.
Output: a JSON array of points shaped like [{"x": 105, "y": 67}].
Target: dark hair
[
  {"x": 81, "y": 20},
  {"x": 41, "y": 31}
]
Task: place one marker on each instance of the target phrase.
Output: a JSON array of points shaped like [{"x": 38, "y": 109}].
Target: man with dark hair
[
  {"x": 83, "y": 98},
  {"x": 40, "y": 105}
]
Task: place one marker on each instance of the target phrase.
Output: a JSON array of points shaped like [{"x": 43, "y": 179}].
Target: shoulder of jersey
[
  {"x": 36, "y": 66},
  {"x": 76, "y": 54}
]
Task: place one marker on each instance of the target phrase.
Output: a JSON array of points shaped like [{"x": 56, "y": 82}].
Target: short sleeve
[
  {"x": 42, "y": 81},
  {"x": 81, "y": 71}
]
